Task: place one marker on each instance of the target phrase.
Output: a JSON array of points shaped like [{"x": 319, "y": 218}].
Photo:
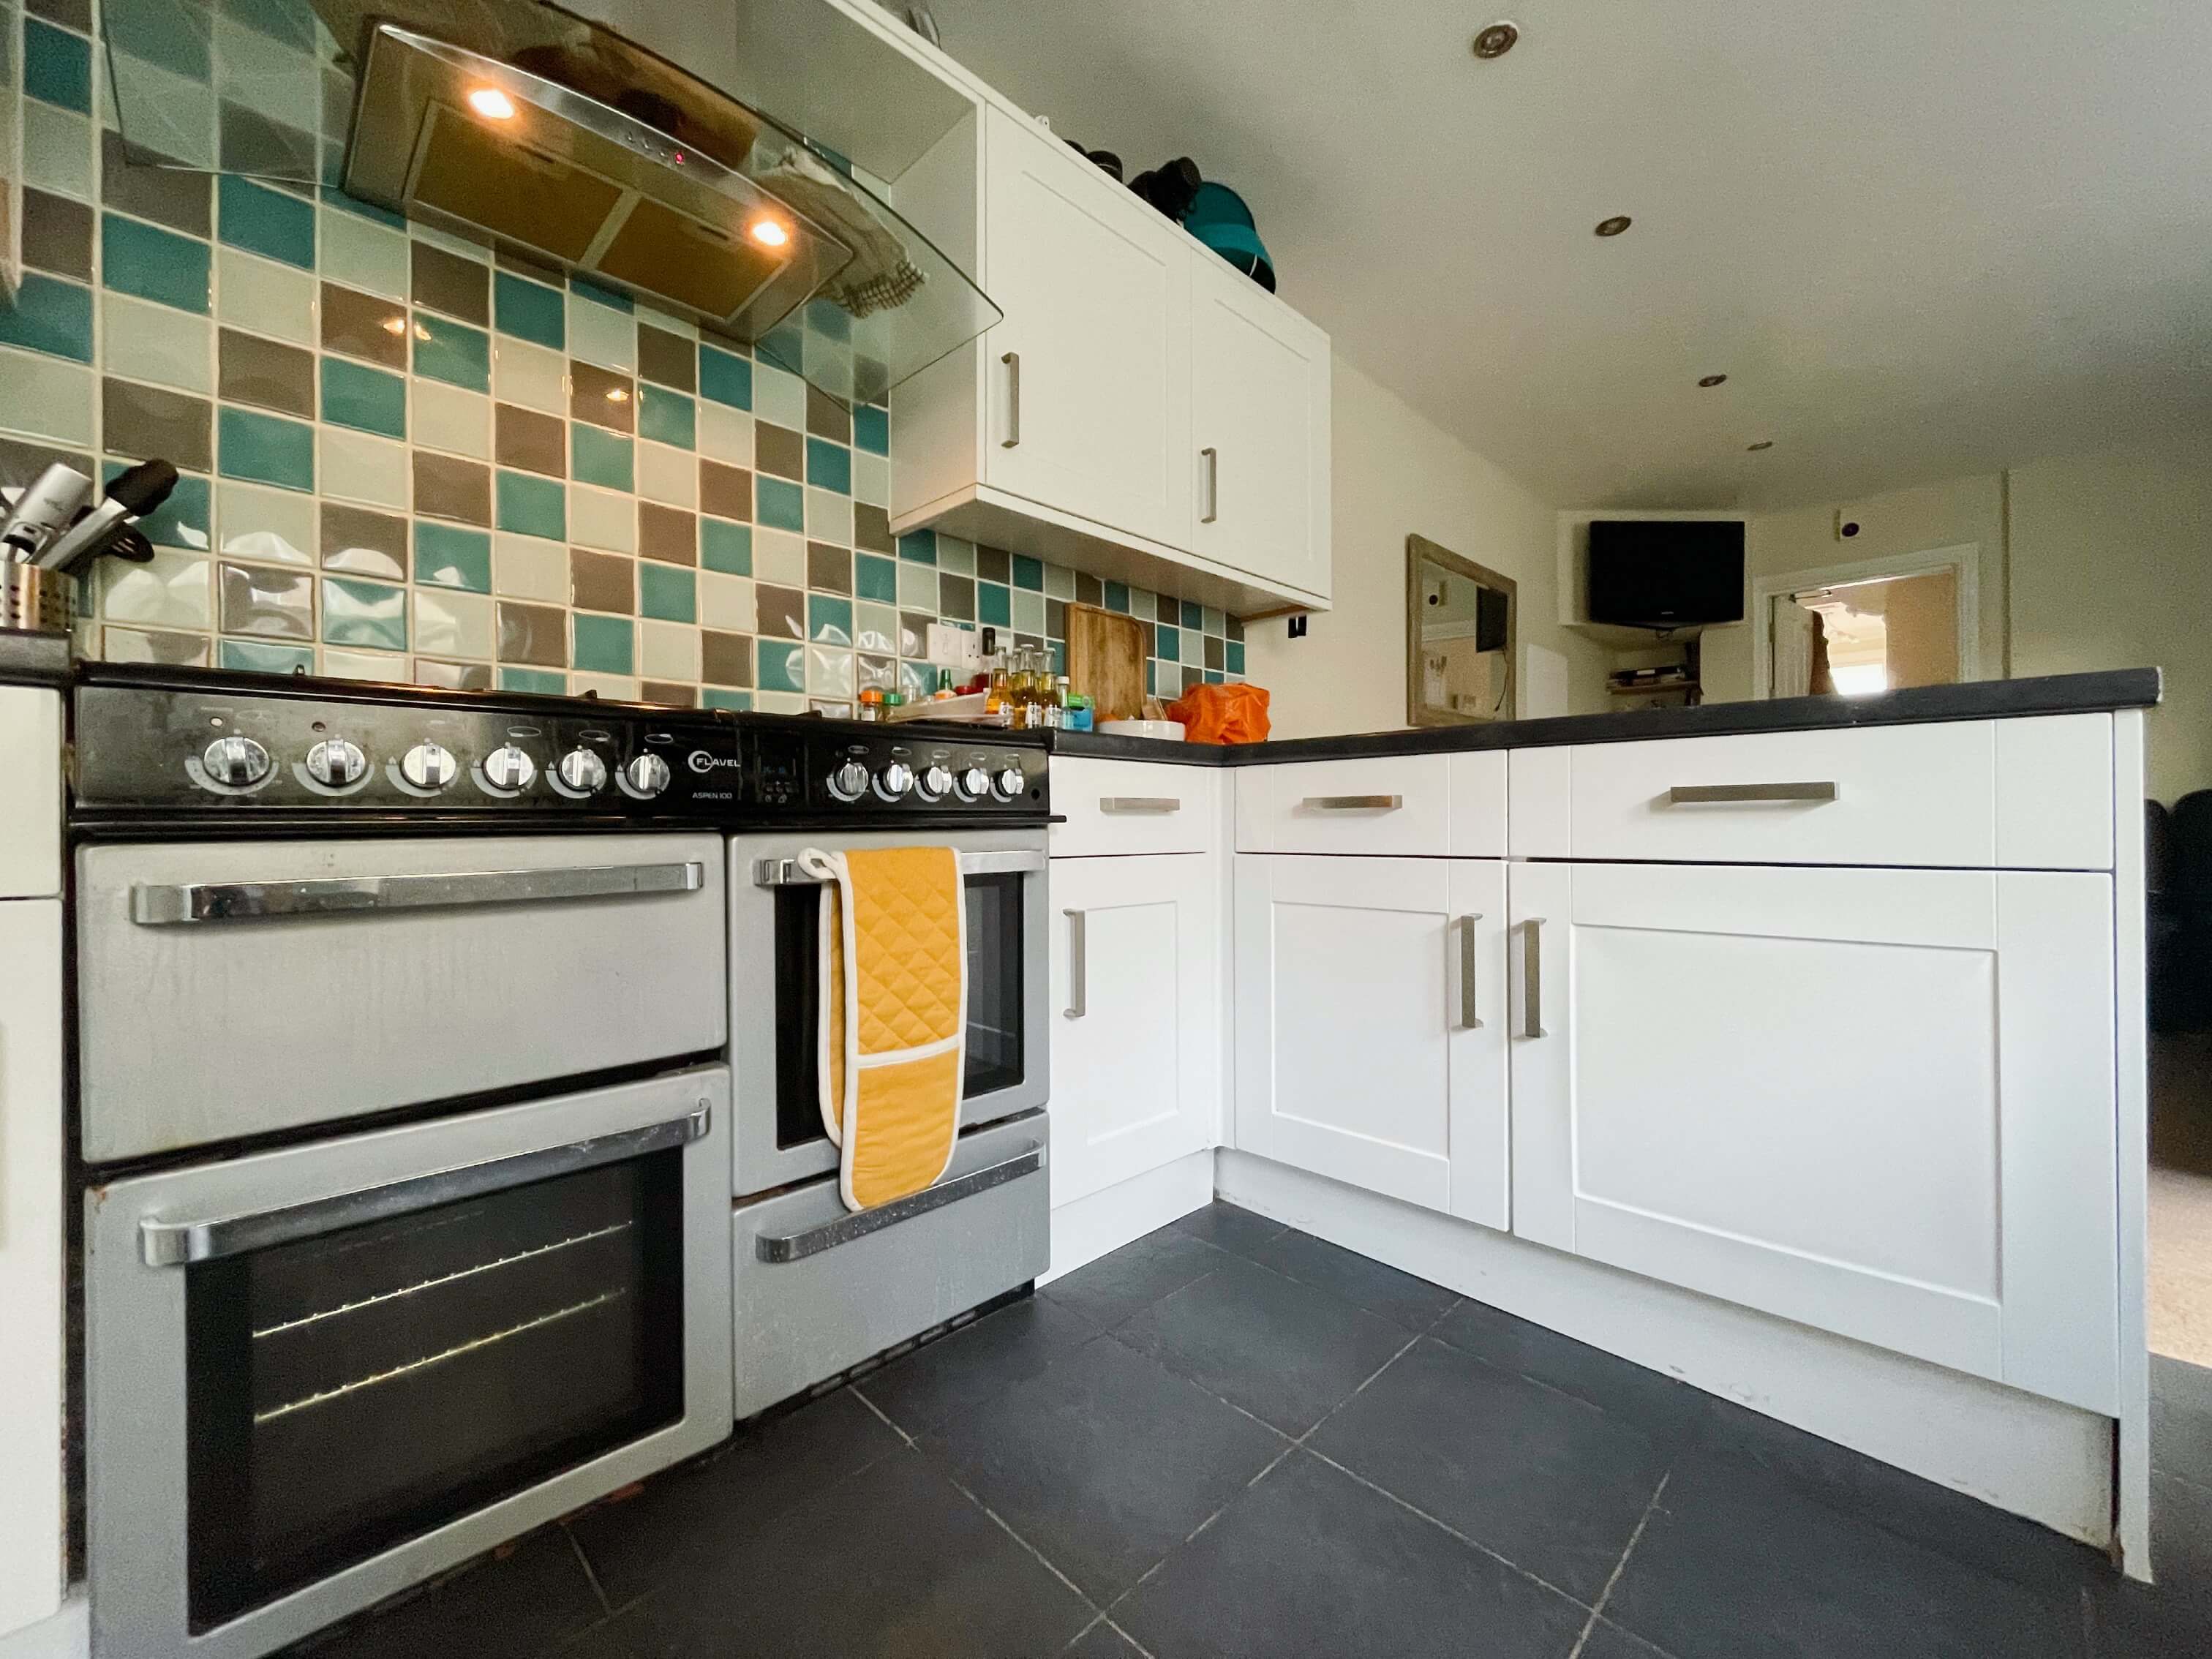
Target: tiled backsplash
[{"x": 407, "y": 459}]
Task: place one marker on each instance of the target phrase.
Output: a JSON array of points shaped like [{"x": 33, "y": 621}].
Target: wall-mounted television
[{"x": 1666, "y": 573}]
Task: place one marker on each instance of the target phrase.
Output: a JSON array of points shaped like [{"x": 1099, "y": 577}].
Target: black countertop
[
  {"x": 29, "y": 659},
  {"x": 1978, "y": 700}
]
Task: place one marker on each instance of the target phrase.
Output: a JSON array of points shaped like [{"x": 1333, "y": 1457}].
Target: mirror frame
[{"x": 1420, "y": 550}]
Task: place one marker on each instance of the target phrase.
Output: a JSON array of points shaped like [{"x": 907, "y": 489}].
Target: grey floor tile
[
  {"x": 1665, "y": 1407},
  {"x": 1103, "y": 1642},
  {"x": 1283, "y": 1350},
  {"x": 1107, "y": 1291},
  {"x": 1365, "y": 1282},
  {"x": 2181, "y": 1419},
  {"x": 1549, "y": 1482},
  {"x": 1309, "y": 1561},
  {"x": 1105, "y": 1462},
  {"x": 1229, "y": 1227},
  {"x": 2181, "y": 1537},
  {"x": 2130, "y": 1620},
  {"x": 1609, "y": 1641},
  {"x": 919, "y": 1390},
  {"x": 509, "y": 1606}
]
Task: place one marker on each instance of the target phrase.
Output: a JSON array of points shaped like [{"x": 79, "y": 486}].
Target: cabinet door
[
  {"x": 1136, "y": 1032},
  {"x": 1879, "y": 1102},
  {"x": 1354, "y": 1056},
  {"x": 1092, "y": 414},
  {"x": 1260, "y": 428}
]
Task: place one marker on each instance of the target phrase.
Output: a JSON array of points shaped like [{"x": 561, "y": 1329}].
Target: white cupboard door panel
[
  {"x": 1136, "y": 1045},
  {"x": 1540, "y": 912},
  {"x": 2055, "y": 795},
  {"x": 31, "y": 804},
  {"x": 1093, "y": 415},
  {"x": 1479, "y": 1135},
  {"x": 1478, "y": 804}
]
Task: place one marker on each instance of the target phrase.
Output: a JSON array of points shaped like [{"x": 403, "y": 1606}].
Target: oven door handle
[
  {"x": 165, "y": 1243},
  {"x": 786, "y": 873},
  {"x": 157, "y": 905},
  {"x": 797, "y": 1247}
]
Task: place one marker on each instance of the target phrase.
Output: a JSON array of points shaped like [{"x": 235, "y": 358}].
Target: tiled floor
[{"x": 1229, "y": 1438}]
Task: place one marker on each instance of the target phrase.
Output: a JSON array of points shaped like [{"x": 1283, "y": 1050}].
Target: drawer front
[
  {"x": 1478, "y": 805},
  {"x": 1394, "y": 804},
  {"x": 31, "y": 804},
  {"x": 1133, "y": 806},
  {"x": 1904, "y": 794},
  {"x": 192, "y": 1032}
]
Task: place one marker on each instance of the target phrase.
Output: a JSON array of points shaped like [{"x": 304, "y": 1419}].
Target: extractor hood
[{"x": 521, "y": 124}]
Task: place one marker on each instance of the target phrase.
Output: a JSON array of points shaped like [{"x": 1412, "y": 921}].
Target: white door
[
  {"x": 1260, "y": 427},
  {"x": 1879, "y": 1102},
  {"x": 1088, "y": 407},
  {"x": 1136, "y": 1032},
  {"x": 1356, "y": 1057}
]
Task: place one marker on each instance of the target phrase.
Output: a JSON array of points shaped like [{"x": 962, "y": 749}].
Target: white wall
[{"x": 1397, "y": 475}]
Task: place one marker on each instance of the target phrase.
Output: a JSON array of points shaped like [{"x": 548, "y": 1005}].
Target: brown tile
[
  {"x": 175, "y": 197},
  {"x": 955, "y": 596},
  {"x": 602, "y": 396},
  {"x": 826, "y": 418},
  {"x": 265, "y": 373},
  {"x": 69, "y": 14},
  {"x": 57, "y": 234},
  {"x": 362, "y": 325},
  {"x": 533, "y": 441},
  {"x": 602, "y": 581},
  {"x": 670, "y": 359},
  {"x": 1236, "y": 628},
  {"x": 447, "y": 487},
  {"x": 780, "y": 612},
  {"x": 449, "y": 283},
  {"x": 1171, "y": 610},
  {"x": 273, "y": 603},
  {"x": 725, "y": 658},
  {"x": 914, "y": 635},
  {"x": 19, "y": 460},
  {"x": 533, "y": 634},
  {"x": 1216, "y": 652},
  {"x": 993, "y": 564},
  {"x": 1089, "y": 590},
  {"x": 141, "y": 421},
  {"x": 522, "y": 262},
  {"x": 871, "y": 529},
  {"x": 354, "y": 538},
  {"x": 725, "y": 491},
  {"x": 829, "y": 569},
  {"x": 669, "y": 695},
  {"x": 1056, "y": 619},
  {"x": 667, "y": 533},
  {"x": 779, "y": 453}
]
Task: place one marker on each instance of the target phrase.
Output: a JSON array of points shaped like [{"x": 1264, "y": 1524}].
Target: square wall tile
[
  {"x": 529, "y": 311},
  {"x": 600, "y": 518},
  {"x": 530, "y": 375},
  {"x": 358, "y": 613},
  {"x": 726, "y": 435},
  {"x": 666, "y": 416},
  {"x": 725, "y": 378},
  {"x": 605, "y": 645},
  {"x": 602, "y": 581},
  {"x": 667, "y": 592},
  {"x": 601, "y": 334},
  {"x": 363, "y": 255},
  {"x": 360, "y": 543},
  {"x": 274, "y": 223},
  {"x": 451, "y": 352},
  {"x": 598, "y": 457},
  {"x": 668, "y": 475},
  {"x": 829, "y": 466},
  {"x": 159, "y": 345},
  {"x": 49, "y": 398},
  {"x": 450, "y": 556},
  {"x": 356, "y": 467},
  {"x": 270, "y": 603},
  {"x": 872, "y": 429},
  {"x": 453, "y": 624},
  {"x": 447, "y": 418},
  {"x": 726, "y": 602},
  {"x": 266, "y": 449},
  {"x": 175, "y": 591},
  {"x": 256, "y": 656},
  {"x": 524, "y": 567},
  {"x": 531, "y": 506},
  {"x": 668, "y": 650},
  {"x": 366, "y": 399}
]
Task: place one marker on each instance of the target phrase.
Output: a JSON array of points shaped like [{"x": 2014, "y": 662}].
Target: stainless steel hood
[{"x": 520, "y": 125}]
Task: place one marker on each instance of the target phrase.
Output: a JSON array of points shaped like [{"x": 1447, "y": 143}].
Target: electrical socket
[{"x": 955, "y": 647}]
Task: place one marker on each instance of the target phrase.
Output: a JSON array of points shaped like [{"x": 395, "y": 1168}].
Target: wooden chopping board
[{"x": 1106, "y": 661}]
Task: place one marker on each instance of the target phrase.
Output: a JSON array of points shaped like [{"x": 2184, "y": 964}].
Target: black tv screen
[{"x": 1666, "y": 573}]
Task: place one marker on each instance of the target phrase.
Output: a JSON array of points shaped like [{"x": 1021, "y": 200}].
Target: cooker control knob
[
  {"x": 336, "y": 764},
  {"x": 894, "y": 781},
  {"x": 510, "y": 767},
  {"x": 427, "y": 766},
  {"x": 974, "y": 783},
  {"x": 236, "y": 760},
  {"x": 936, "y": 781},
  {"x": 646, "y": 775},
  {"x": 582, "y": 770},
  {"x": 850, "y": 781},
  {"x": 1009, "y": 783}
]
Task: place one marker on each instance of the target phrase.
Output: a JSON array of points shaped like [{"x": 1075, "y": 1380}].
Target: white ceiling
[{"x": 1922, "y": 237}]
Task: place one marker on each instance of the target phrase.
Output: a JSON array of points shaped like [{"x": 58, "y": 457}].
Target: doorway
[{"x": 1855, "y": 630}]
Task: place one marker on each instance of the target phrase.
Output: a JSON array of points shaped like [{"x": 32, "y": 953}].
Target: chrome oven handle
[
  {"x": 786, "y": 873},
  {"x": 797, "y": 1247},
  {"x": 161, "y": 905}
]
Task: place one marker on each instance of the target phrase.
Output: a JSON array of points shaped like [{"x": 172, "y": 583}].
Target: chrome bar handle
[
  {"x": 155, "y": 905},
  {"x": 1212, "y": 458},
  {"x": 1138, "y": 805},
  {"x": 797, "y": 1247},
  {"x": 1078, "y": 965},
  {"x": 1532, "y": 978},
  {"x": 1469, "y": 1018},
  {"x": 1353, "y": 803},
  {"x": 1012, "y": 360},
  {"x": 1694, "y": 795},
  {"x": 786, "y": 873}
]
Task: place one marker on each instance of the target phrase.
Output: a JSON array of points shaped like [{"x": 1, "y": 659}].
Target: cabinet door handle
[
  {"x": 1532, "y": 978},
  {"x": 1012, "y": 360},
  {"x": 1353, "y": 803},
  {"x": 1692, "y": 794},
  {"x": 1134, "y": 805},
  {"x": 1212, "y": 458},
  {"x": 1079, "y": 966},
  {"x": 1469, "y": 1020}
]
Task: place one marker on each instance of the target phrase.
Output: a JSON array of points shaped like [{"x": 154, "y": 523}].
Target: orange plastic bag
[{"x": 1221, "y": 714}]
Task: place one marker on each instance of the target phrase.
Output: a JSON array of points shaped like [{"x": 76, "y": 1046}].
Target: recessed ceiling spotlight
[
  {"x": 1763, "y": 443},
  {"x": 1614, "y": 226},
  {"x": 1497, "y": 40},
  {"x": 1710, "y": 380}
]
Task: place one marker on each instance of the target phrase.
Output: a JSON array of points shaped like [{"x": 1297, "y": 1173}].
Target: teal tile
[
  {"x": 666, "y": 417},
  {"x": 785, "y": 346},
  {"x": 283, "y": 20},
  {"x": 265, "y": 448},
  {"x": 1236, "y": 656},
  {"x": 174, "y": 38},
  {"x": 544, "y": 682},
  {"x": 1167, "y": 645},
  {"x": 1059, "y": 656},
  {"x": 597, "y": 456},
  {"x": 779, "y": 503},
  {"x": 726, "y": 547},
  {"x": 669, "y": 593},
  {"x": 451, "y": 352},
  {"x": 369, "y": 210},
  {"x": 180, "y": 521},
  {"x": 365, "y": 398},
  {"x": 531, "y": 311},
  {"x": 57, "y": 66},
  {"x": 451, "y": 556},
  {"x": 606, "y": 296},
  {"x": 871, "y": 428},
  {"x": 1117, "y": 597},
  {"x": 1213, "y": 677},
  {"x": 533, "y": 507},
  {"x": 604, "y": 645},
  {"x": 826, "y": 318},
  {"x": 1028, "y": 573},
  {"x": 918, "y": 547},
  {"x": 725, "y": 379},
  {"x": 365, "y": 614},
  {"x": 714, "y": 696},
  {"x": 782, "y": 666},
  {"x": 1193, "y": 617},
  {"x": 153, "y": 263},
  {"x": 994, "y": 605},
  {"x": 829, "y": 466},
  {"x": 50, "y": 316},
  {"x": 1151, "y": 677},
  {"x": 828, "y": 619},
  {"x": 875, "y": 578},
  {"x": 256, "y": 658},
  {"x": 274, "y": 223}
]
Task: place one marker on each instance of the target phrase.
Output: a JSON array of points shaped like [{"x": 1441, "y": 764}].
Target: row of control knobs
[
  {"x": 337, "y": 763},
  {"x": 852, "y": 780}
]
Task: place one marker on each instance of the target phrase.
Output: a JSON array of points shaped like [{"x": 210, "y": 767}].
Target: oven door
[
  {"x": 317, "y": 1376},
  {"x": 775, "y": 989}
]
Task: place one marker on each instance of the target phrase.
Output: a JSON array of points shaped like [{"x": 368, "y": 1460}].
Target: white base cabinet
[{"x": 1370, "y": 997}]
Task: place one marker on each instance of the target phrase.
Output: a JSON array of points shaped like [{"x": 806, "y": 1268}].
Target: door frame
[{"x": 1963, "y": 560}]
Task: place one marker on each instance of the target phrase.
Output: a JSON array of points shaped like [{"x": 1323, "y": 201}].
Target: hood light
[
  {"x": 767, "y": 232},
  {"x": 1614, "y": 226},
  {"x": 492, "y": 104}
]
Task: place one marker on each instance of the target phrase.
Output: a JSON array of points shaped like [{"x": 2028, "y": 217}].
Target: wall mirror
[{"x": 1462, "y": 637}]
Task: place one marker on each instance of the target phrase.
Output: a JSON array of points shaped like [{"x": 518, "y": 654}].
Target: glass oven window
[
  {"x": 995, "y": 1022},
  {"x": 349, "y": 1391}
]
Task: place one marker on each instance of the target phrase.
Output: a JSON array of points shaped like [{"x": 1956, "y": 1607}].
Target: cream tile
[
  {"x": 876, "y": 627},
  {"x": 447, "y": 417},
  {"x": 665, "y": 474},
  {"x": 619, "y": 688},
  {"x": 155, "y": 343},
  {"x": 778, "y": 557},
  {"x": 602, "y": 518},
  {"x": 388, "y": 667},
  {"x": 725, "y": 603},
  {"x": 956, "y": 554},
  {"x": 872, "y": 479},
  {"x": 173, "y": 592},
  {"x": 264, "y": 297},
  {"x": 1059, "y": 583},
  {"x": 600, "y": 334},
  {"x": 1028, "y": 611},
  {"x": 354, "y": 466},
  {"x": 130, "y": 644},
  {"x": 830, "y": 517},
  {"x": 669, "y": 651},
  {"x": 531, "y": 375},
  {"x": 266, "y": 527},
  {"x": 830, "y": 671},
  {"x": 725, "y": 434},
  {"x": 778, "y": 702},
  {"x": 525, "y": 567},
  {"x": 451, "y": 624},
  {"x": 57, "y": 147},
  {"x": 360, "y": 253},
  {"x": 46, "y": 398},
  {"x": 779, "y": 398}
]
